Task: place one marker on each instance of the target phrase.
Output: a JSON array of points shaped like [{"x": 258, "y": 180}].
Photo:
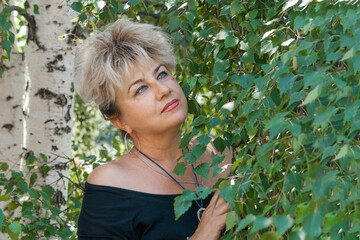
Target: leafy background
[{"x": 278, "y": 81}]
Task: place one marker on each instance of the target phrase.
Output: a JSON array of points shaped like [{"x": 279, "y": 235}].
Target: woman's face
[{"x": 151, "y": 101}]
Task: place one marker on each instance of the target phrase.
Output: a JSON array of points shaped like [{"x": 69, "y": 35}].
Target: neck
[{"x": 159, "y": 147}]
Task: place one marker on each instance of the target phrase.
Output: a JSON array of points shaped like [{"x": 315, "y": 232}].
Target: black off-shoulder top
[{"x": 117, "y": 213}]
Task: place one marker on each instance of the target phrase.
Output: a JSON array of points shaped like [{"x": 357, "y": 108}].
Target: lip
[{"x": 170, "y": 105}]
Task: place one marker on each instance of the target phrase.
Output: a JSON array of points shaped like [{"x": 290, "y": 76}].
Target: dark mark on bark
[
  {"x": 59, "y": 199},
  {"x": 61, "y": 166},
  {"x": 72, "y": 89},
  {"x": 61, "y": 100},
  {"x": 47, "y": 6},
  {"x": 16, "y": 106},
  {"x": 67, "y": 129},
  {"x": 8, "y": 126},
  {"x": 54, "y": 148},
  {"x": 27, "y": 85},
  {"x": 8, "y": 98},
  {"x": 53, "y": 65},
  {"x": 28, "y": 154},
  {"x": 59, "y": 131},
  {"x": 49, "y": 120},
  {"x": 45, "y": 94},
  {"x": 67, "y": 116}
]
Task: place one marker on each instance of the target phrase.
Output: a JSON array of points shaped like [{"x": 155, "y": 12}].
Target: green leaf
[
  {"x": 261, "y": 223},
  {"x": 286, "y": 82},
  {"x": 32, "y": 194},
  {"x": 270, "y": 236},
  {"x": 4, "y": 166},
  {"x": 36, "y": 9},
  {"x": 248, "y": 56},
  {"x": 344, "y": 151},
  {"x": 219, "y": 144},
  {"x": 231, "y": 220},
  {"x": 6, "y": 45},
  {"x": 183, "y": 202},
  {"x": 190, "y": 158},
  {"x": 65, "y": 234},
  {"x": 198, "y": 151},
  {"x": 283, "y": 223},
  {"x": 4, "y": 198},
  {"x": 313, "y": 94},
  {"x": 231, "y": 41},
  {"x": 278, "y": 118},
  {"x": 348, "y": 54},
  {"x": 15, "y": 227},
  {"x": 1, "y": 217},
  {"x": 134, "y": 2},
  {"x": 236, "y": 8},
  {"x": 199, "y": 121},
  {"x": 246, "y": 80},
  {"x": 180, "y": 169},
  {"x": 185, "y": 140},
  {"x": 217, "y": 160},
  {"x": 77, "y": 6},
  {"x": 17, "y": 175},
  {"x": 312, "y": 225},
  {"x": 203, "y": 170},
  {"x": 215, "y": 121},
  {"x": 213, "y": 2},
  {"x": 251, "y": 15},
  {"x": 204, "y": 140},
  {"x": 23, "y": 186},
  {"x": 203, "y": 192},
  {"x": 245, "y": 222},
  {"x": 82, "y": 17}
]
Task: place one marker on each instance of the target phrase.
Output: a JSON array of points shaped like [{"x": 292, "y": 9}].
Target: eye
[
  {"x": 141, "y": 89},
  {"x": 162, "y": 75}
]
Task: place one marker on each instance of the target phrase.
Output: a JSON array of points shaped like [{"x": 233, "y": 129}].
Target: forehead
[{"x": 137, "y": 69}]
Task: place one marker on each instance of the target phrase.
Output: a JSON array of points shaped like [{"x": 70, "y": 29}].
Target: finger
[
  {"x": 216, "y": 199},
  {"x": 220, "y": 209}
]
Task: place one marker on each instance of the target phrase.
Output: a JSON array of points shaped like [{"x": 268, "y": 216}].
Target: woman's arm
[{"x": 213, "y": 219}]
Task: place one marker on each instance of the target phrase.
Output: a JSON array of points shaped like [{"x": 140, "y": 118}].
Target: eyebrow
[{"x": 142, "y": 80}]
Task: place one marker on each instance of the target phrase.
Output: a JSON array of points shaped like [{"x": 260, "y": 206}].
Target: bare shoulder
[
  {"x": 113, "y": 173},
  {"x": 208, "y": 156}
]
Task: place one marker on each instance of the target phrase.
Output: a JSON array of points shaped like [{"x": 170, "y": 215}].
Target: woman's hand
[{"x": 213, "y": 219}]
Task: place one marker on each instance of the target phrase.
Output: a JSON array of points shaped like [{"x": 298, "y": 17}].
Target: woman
[{"x": 126, "y": 70}]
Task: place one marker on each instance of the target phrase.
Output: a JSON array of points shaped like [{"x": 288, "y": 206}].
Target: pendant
[{"x": 200, "y": 212}]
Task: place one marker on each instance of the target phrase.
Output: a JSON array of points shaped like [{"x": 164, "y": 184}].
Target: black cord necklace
[{"x": 201, "y": 208}]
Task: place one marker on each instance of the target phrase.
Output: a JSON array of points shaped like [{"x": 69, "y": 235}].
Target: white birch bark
[
  {"x": 11, "y": 117},
  {"x": 49, "y": 96}
]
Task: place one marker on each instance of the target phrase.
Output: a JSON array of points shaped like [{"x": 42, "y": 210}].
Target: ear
[{"x": 118, "y": 123}]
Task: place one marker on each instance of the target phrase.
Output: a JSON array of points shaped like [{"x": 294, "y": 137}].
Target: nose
[{"x": 162, "y": 90}]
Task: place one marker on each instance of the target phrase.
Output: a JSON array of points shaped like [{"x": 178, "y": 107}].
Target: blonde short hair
[{"x": 106, "y": 59}]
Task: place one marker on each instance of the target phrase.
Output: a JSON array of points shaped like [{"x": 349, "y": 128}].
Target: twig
[
  {"x": 29, "y": 18},
  {"x": 145, "y": 13},
  {"x": 76, "y": 184}
]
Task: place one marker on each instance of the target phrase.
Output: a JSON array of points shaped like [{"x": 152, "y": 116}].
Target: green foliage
[
  {"x": 277, "y": 81},
  {"x": 280, "y": 84},
  {"x": 31, "y": 213}
]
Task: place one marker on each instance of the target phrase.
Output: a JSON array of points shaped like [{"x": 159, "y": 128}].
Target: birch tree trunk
[
  {"x": 49, "y": 94},
  {"x": 11, "y": 117}
]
